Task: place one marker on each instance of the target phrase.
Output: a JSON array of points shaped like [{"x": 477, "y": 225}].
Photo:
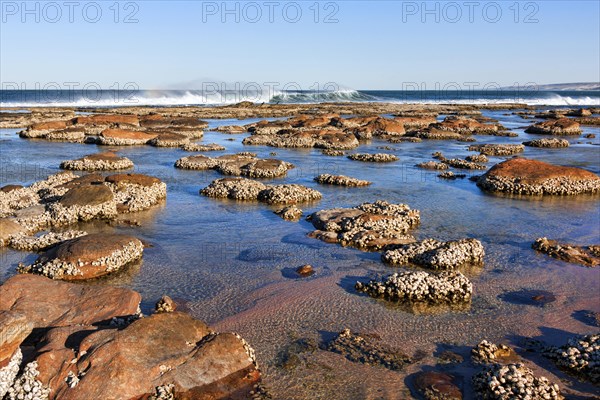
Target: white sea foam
[{"x": 224, "y": 97}]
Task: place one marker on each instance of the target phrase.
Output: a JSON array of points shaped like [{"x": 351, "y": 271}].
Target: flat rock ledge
[
  {"x": 91, "y": 342},
  {"x": 86, "y": 257},
  {"x": 588, "y": 256},
  {"x": 580, "y": 356},
  {"x": 105, "y": 161},
  {"x": 553, "y": 143},
  {"x": 378, "y": 157},
  {"x": 561, "y": 126},
  {"x": 64, "y": 199},
  {"x": 241, "y": 164},
  {"x": 514, "y": 382},
  {"x": 532, "y": 177},
  {"x": 340, "y": 180},
  {"x": 248, "y": 189},
  {"x": 369, "y": 226},
  {"x": 202, "y": 147},
  {"x": 434, "y": 254},
  {"x": 447, "y": 287},
  {"x": 498, "y": 149}
]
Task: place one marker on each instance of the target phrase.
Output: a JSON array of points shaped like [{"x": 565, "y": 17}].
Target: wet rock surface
[
  {"x": 588, "y": 256},
  {"x": 340, "y": 180},
  {"x": 86, "y": 257},
  {"x": 553, "y": 143},
  {"x": 369, "y": 226},
  {"x": 561, "y": 126},
  {"x": 489, "y": 353},
  {"x": 75, "y": 348},
  {"x": 532, "y": 177},
  {"x": 433, "y": 165},
  {"x": 237, "y": 164},
  {"x": 513, "y": 381},
  {"x": 98, "y": 162},
  {"x": 448, "y": 287},
  {"x": 378, "y": 157},
  {"x": 580, "y": 356},
  {"x": 360, "y": 349},
  {"x": 234, "y": 188},
  {"x": 290, "y": 213},
  {"x": 437, "y": 386},
  {"x": 497, "y": 149},
  {"x": 433, "y": 254},
  {"x": 288, "y": 194}
]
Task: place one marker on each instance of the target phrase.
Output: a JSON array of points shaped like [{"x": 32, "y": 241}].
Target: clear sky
[{"x": 357, "y": 44}]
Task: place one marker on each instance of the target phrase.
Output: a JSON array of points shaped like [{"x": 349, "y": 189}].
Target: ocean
[{"x": 262, "y": 94}]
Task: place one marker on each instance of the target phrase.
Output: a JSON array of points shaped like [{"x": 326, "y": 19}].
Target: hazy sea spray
[{"x": 111, "y": 98}]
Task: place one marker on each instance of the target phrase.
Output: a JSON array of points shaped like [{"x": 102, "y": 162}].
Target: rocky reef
[
  {"x": 237, "y": 164},
  {"x": 553, "y": 143},
  {"x": 340, "y": 180},
  {"x": 433, "y": 254},
  {"x": 369, "y": 226},
  {"x": 532, "y": 177},
  {"x": 447, "y": 287},
  {"x": 104, "y": 161}
]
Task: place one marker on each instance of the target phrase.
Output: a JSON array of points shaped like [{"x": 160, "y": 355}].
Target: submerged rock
[
  {"x": 86, "y": 257},
  {"x": 433, "y": 254},
  {"x": 447, "y": 287},
  {"x": 359, "y": 349},
  {"x": 588, "y": 256},
  {"x": 532, "y": 177},
  {"x": 437, "y": 386},
  {"x": 305, "y": 270},
  {"x": 98, "y": 162}
]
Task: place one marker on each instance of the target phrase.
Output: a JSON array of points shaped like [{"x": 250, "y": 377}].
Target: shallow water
[{"x": 230, "y": 262}]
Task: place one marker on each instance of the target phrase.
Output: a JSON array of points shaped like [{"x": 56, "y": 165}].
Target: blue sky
[{"x": 373, "y": 45}]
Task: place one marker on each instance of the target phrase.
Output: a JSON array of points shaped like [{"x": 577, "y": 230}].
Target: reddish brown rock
[
  {"x": 48, "y": 303},
  {"x": 86, "y": 195},
  {"x": 9, "y": 228},
  {"x": 86, "y": 257},
  {"x": 561, "y": 126},
  {"x": 49, "y": 125},
  {"x": 532, "y": 177},
  {"x": 464, "y": 125},
  {"x": 158, "y": 351},
  {"x": 107, "y": 119},
  {"x": 437, "y": 386},
  {"x": 134, "y": 179},
  {"x": 588, "y": 256},
  {"x": 123, "y": 137}
]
